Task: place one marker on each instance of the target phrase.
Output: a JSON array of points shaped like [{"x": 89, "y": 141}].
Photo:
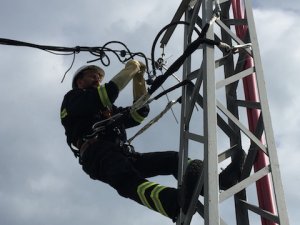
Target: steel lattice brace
[{"x": 222, "y": 86}]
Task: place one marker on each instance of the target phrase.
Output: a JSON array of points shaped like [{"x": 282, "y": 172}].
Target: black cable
[
  {"x": 158, "y": 36},
  {"x": 179, "y": 61},
  {"x": 5, "y": 41},
  {"x": 99, "y": 52},
  {"x": 180, "y": 84}
]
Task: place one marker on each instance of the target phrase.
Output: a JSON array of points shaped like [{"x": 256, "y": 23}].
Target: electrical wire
[{"x": 101, "y": 52}]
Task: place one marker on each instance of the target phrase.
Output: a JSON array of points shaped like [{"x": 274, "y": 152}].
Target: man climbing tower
[{"x": 105, "y": 156}]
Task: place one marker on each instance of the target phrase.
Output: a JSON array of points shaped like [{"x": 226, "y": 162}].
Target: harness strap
[
  {"x": 84, "y": 145},
  {"x": 74, "y": 149}
]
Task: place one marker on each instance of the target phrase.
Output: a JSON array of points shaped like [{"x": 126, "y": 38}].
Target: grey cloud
[{"x": 41, "y": 181}]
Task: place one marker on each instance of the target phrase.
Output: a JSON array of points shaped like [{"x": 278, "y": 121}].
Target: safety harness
[{"x": 100, "y": 131}]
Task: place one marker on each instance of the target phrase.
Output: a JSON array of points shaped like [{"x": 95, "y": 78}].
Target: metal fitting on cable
[
  {"x": 225, "y": 46},
  {"x": 236, "y": 48},
  {"x": 160, "y": 63}
]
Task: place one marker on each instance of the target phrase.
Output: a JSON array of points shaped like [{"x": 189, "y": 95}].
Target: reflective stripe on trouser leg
[
  {"x": 150, "y": 196},
  {"x": 155, "y": 198},
  {"x": 141, "y": 192}
]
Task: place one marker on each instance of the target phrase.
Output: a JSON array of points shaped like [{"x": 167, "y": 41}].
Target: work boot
[
  {"x": 192, "y": 174},
  {"x": 232, "y": 173}
]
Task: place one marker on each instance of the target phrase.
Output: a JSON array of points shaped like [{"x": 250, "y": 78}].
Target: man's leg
[
  {"x": 115, "y": 169},
  {"x": 157, "y": 163},
  {"x": 166, "y": 163},
  {"x": 232, "y": 173}
]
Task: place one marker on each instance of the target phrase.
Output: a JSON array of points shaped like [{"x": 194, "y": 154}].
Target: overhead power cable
[{"x": 101, "y": 52}]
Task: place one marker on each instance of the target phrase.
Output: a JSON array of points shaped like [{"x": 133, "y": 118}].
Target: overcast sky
[{"x": 41, "y": 182}]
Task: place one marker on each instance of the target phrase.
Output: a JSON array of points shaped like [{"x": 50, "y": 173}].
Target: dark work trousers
[{"x": 128, "y": 174}]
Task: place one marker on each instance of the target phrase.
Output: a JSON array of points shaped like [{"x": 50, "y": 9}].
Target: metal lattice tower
[{"x": 231, "y": 91}]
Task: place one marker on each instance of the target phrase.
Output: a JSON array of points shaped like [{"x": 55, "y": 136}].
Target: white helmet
[{"x": 83, "y": 68}]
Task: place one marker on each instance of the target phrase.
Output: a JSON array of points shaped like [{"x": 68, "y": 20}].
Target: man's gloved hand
[
  {"x": 132, "y": 68},
  {"x": 139, "y": 84}
]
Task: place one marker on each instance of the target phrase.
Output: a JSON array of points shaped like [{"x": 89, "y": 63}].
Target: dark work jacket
[{"x": 82, "y": 108}]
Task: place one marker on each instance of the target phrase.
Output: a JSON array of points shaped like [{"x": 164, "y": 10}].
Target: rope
[{"x": 154, "y": 120}]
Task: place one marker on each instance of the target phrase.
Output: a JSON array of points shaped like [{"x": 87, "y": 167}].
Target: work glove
[
  {"x": 132, "y": 68},
  {"x": 139, "y": 84}
]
